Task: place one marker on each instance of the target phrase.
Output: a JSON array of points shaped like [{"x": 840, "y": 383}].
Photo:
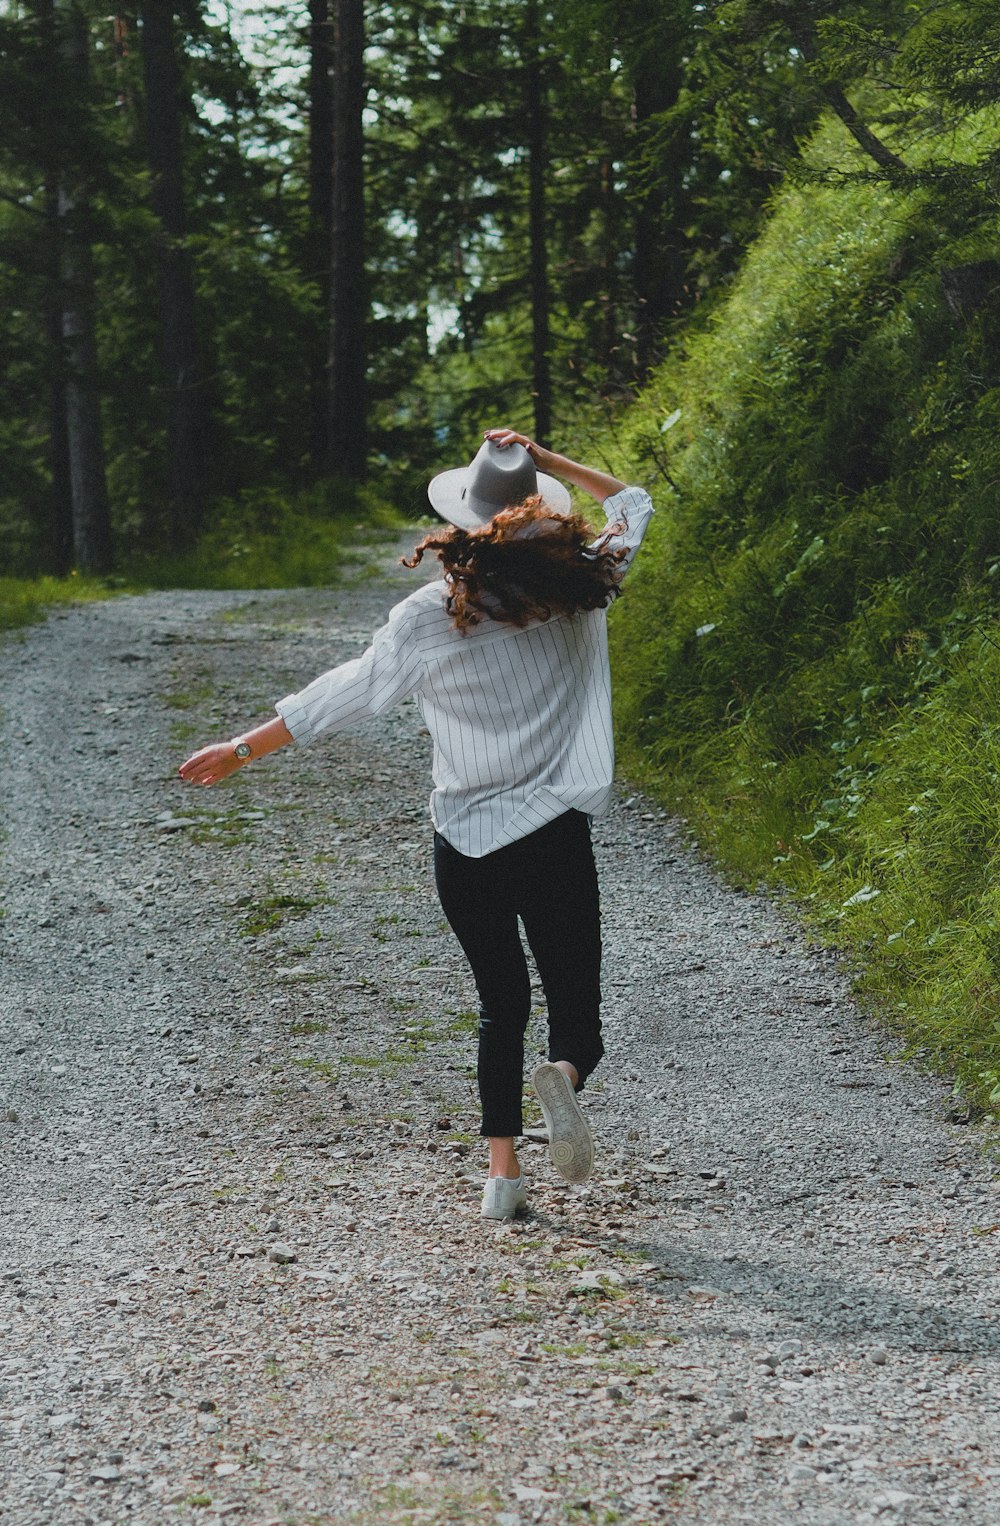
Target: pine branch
[
  {"x": 804, "y": 38},
  {"x": 861, "y": 132},
  {"x": 21, "y": 206}
]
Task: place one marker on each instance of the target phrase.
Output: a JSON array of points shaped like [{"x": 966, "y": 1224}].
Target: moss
[{"x": 269, "y": 912}]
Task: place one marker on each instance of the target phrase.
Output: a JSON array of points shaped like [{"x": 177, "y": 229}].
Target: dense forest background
[
  {"x": 255, "y": 245},
  {"x": 263, "y": 269}
]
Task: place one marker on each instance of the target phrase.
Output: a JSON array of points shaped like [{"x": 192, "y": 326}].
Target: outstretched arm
[
  {"x": 216, "y": 762},
  {"x": 599, "y": 485},
  {"x": 385, "y": 673}
]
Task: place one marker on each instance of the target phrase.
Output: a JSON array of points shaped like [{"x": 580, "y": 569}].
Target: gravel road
[{"x": 242, "y": 1270}]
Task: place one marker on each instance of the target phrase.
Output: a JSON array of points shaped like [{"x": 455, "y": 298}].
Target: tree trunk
[
  {"x": 348, "y": 300},
  {"x": 319, "y": 234},
  {"x": 967, "y": 288},
  {"x": 610, "y": 336},
  {"x": 538, "y": 269},
  {"x": 659, "y": 265},
  {"x": 60, "y": 526},
  {"x": 61, "y": 494},
  {"x": 182, "y": 381},
  {"x": 85, "y": 442},
  {"x": 861, "y": 132}
]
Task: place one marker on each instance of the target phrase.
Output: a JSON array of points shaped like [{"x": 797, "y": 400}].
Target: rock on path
[{"x": 242, "y": 1272}]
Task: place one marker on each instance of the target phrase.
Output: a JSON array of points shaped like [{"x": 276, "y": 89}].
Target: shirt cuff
[
  {"x": 629, "y": 497},
  {"x": 296, "y": 717}
]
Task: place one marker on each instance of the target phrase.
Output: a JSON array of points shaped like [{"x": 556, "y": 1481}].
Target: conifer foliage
[{"x": 251, "y": 247}]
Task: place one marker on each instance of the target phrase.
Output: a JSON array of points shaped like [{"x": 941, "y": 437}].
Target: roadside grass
[
  {"x": 26, "y": 600},
  {"x": 263, "y": 538},
  {"x": 269, "y": 539},
  {"x": 808, "y": 650}
]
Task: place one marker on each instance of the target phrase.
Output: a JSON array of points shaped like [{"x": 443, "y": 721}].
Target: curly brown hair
[{"x": 527, "y": 564}]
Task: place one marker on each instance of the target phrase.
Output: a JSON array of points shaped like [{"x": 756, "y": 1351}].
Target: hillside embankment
[{"x": 809, "y": 652}]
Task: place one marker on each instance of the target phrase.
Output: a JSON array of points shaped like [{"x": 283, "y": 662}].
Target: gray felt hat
[{"x": 499, "y": 477}]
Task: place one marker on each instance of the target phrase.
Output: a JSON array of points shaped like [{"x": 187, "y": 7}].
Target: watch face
[{"x": 243, "y": 749}]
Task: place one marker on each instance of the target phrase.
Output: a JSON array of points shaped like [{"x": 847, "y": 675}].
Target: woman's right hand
[{"x": 210, "y": 765}]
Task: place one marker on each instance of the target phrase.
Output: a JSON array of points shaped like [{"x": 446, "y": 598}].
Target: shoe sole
[
  {"x": 498, "y": 1218},
  {"x": 571, "y": 1147}
]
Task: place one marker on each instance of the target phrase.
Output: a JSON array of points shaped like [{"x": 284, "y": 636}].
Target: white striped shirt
[{"x": 520, "y": 717}]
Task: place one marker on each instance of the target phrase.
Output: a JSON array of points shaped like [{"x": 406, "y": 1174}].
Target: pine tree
[
  {"x": 347, "y": 440},
  {"x": 183, "y": 384},
  {"x": 319, "y": 232},
  {"x": 84, "y": 430}
]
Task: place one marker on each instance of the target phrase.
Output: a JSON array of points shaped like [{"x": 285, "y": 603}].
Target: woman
[{"x": 507, "y": 657}]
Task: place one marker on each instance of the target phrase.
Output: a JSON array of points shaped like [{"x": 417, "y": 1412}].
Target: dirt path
[{"x": 235, "y": 1030}]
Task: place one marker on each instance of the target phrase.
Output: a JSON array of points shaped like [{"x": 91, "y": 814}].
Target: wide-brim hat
[{"x": 499, "y": 477}]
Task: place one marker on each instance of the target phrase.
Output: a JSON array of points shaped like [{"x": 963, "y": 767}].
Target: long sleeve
[
  {"x": 520, "y": 716},
  {"x": 631, "y": 509},
  {"x": 381, "y": 677}
]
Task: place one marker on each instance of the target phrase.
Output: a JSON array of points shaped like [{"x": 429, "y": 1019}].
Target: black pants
[{"x": 549, "y": 880}]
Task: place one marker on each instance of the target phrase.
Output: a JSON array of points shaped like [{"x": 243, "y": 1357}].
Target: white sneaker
[
  {"x": 503, "y": 1196},
  {"x": 571, "y": 1148}
]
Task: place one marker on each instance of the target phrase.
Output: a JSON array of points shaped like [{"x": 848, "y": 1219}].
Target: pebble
[
  {"x": 281, "y": 1253},
  {"x": 891, "y": 1501},
  {"x": 589, "y": 1282},
  {"x": 801, "y": 1473}
]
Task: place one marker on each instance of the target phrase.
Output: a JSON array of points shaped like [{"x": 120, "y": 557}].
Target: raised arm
[{"x": 598, "y": 484}]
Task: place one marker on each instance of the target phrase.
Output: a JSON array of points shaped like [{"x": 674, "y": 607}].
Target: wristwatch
[{"x": 242, "y": 750}]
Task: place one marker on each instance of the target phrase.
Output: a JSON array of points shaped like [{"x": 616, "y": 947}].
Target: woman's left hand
[{"x": 503, "y": 437}]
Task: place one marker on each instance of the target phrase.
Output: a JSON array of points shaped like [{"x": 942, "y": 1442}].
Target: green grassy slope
[{"x": 808, "y": 652}]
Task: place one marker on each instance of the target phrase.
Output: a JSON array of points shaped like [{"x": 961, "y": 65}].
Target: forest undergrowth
[{"x": 263, "y": 539}]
